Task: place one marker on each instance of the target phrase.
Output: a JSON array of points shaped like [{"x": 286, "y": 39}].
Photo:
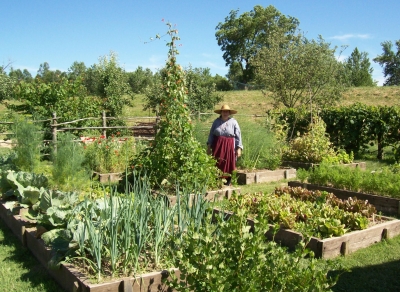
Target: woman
[{"x": 225, "y": 141}]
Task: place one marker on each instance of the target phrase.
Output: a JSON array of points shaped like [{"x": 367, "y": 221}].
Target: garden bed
[
  {"x": 108, "y": 177},
  {"x": 264, "y": 175},
  {"x": 216, "y": 195},
  {"x": 334, "y": 246},
  {"x": 386, "y": 205},
  {"x": 306, "y": 165},
  {"x": 68, "y": 276}
]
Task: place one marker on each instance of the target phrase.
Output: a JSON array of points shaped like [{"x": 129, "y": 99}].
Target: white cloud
[{"x": 345, "y": 37}]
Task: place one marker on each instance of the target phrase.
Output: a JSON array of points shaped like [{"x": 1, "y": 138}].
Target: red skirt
[{"x": 223, "y": 149}]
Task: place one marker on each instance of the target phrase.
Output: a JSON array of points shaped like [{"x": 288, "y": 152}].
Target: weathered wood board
[
  {"x": 261, "y": 176},
  {"x": 306, "y": 165}
]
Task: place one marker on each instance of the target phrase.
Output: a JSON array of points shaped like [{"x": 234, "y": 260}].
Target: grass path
[{"x": 19, "y": 269}]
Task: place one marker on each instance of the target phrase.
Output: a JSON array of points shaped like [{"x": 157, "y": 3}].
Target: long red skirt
[{"x": 223, "y": 149}]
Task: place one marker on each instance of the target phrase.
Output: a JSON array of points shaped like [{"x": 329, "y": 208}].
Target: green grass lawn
[{"x": 19, "y": 269}]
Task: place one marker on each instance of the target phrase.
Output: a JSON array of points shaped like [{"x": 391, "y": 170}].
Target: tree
[
  {"x": 299, "y": 72},
  {"x": 20, "y": 75},
  {"x": 140, "y": 79},
  {"x": 111, "y": 84},
  {"x": 240, "y": 38},
  {"x": 358, "y": 69},
  {"x": 201, "y": 92},
  {"x": 77, "y": 69},
  {"x": 49, "y": 76},
  {"x": 390, "y": 61},
  {"x": 6, "y": 84}
]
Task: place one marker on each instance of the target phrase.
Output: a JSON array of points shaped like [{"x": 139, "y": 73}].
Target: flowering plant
[{"x": 108, "y": 155}]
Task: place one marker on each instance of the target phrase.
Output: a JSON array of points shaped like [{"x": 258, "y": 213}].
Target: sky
[{"x": 62, "y": 32}]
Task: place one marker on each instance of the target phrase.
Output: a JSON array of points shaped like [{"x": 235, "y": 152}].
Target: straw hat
[{"x": 225, "y": 107}]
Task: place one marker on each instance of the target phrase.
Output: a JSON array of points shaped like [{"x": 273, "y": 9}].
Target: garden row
[{"x": 353, "y": 127}]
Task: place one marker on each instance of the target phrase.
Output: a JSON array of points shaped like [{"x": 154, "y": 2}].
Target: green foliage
[
  {"x": 390, "y": 61},
  {"x": 175, "y": 155},
  {"x": 26, "y": 186},
  {"x": 68, "y": 171},
  {"x": 313, "y": 147},
  {"x": 358, "y": 69},
  {"x": 262, "y": 147},
  {"x": 230, "y": 256},
  {"x": 29, "y": 141},
  {"x": 112, "y": 84},
  {"x": 108, "y": 155},
  {"x": 382, "y": 182},
  {"x": 140, "y": 79},
  {"x": 241, "y": 37},
  {"x": 318, "y": 215},
  {"x": 201, "y": 91},
  {"x": 299, "y": 71},
  {"x": 6, "y": 85}
]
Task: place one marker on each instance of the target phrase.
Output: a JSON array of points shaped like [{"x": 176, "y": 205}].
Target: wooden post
[
  {"x": 158, "y": 118},
  {"x": 104, "y": 124},
  {"x": 54, "y": 131}
]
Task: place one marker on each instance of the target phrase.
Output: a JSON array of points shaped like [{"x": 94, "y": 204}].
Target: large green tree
[
  {"x": 390, "y": 61},
  {"x": 77, "y": 69},
  {"x": 299, "y": 72},
  {"x": 201, "y": 92},
  {"x": 6, "y": 84},
  {"x": 111, "y": 84},
  {"x": 358, "y": 69},
  {"x": 241, "y": 37}
]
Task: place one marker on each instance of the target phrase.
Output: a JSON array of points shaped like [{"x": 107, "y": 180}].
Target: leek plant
[{"x": 128, "y": 233}]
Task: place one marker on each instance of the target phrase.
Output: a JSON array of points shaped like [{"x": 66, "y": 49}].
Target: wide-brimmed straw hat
[{"x": 225, "y": 107}]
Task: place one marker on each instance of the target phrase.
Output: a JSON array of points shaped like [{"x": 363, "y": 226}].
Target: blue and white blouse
[{"x": 229, "y": 128}]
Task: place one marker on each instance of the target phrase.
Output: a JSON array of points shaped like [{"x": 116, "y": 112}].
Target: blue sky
[{"x": 61, "y": 32}]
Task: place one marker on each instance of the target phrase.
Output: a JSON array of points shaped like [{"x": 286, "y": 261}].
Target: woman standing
[{"x": 225, "y": 141}]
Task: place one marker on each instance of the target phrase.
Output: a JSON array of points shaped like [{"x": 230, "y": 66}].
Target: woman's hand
[
  {"x": 208, "y": 150},
  {"x": 238, "y": 152}
]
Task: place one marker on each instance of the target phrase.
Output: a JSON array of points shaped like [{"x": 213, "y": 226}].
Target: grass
[
  {"x": 19, "y": 270},
  {"x": 375, "y": 268}
]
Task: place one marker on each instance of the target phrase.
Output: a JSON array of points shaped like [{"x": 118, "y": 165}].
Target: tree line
[{"x": 263, "y": 48}]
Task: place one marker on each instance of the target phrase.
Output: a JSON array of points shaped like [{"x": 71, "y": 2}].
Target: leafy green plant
[
  {"x": 29, "y": 143},
  {"x": 108, "y": 155},
  {"x": 175, "y": 155},
  {"x": 68, "y": 171},
  {"x": 229, "y": 256},
  {"x": 313, "y": 147}
]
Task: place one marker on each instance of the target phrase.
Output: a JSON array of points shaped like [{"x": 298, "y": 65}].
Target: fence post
[
  {"x": 54, "y": 131},
  {"x": 104, "y": 124},
  {"x": 156, "y": 127}
]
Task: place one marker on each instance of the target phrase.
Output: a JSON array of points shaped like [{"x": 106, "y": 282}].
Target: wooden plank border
[{"x": 264, "y": 175}]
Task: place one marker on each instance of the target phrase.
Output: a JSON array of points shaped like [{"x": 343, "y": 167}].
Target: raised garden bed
[
  {"x": 216, "y": 195},
  {"x": 108, "y": 177},
  {"x": 386, "y": 205},
  {"x": 305, "y": 165},
  {"x": 68, "y": 276},
  {"x": 331, "y": 247},
  {"x": 264, "y": 175}
]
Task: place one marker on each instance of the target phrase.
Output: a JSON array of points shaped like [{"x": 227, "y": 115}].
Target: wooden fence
[{"x": 141, "y": 127}]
